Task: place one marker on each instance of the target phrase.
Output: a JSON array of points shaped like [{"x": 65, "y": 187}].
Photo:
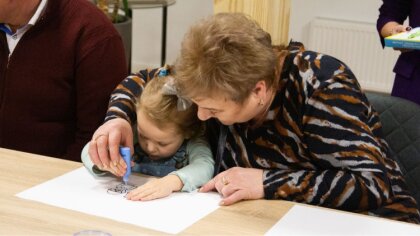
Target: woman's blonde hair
[
  {"x": 162, "y": 109},
  {"x": 228, "y": 53}
]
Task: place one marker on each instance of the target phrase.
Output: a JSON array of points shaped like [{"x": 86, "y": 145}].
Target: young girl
[{"x": 166, "y": 144}]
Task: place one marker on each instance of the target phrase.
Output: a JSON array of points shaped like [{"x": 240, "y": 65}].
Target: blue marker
[{"x": 125, "y": 153}]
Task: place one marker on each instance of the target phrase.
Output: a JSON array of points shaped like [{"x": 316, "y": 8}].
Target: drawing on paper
[
  {"x": 121, "y": 188},
  {"x": 78, "y": 190}
]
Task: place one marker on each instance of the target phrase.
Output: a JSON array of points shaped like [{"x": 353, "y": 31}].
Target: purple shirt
[{"x": 407, "y": 67}]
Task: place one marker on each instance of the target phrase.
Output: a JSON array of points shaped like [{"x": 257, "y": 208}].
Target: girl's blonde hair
[
  {"x": 228, "y": 53},
  {"x": 162, "y": 109}
]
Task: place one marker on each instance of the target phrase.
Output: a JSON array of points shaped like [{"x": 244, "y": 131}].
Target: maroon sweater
[{"x": 54, "y": 89}]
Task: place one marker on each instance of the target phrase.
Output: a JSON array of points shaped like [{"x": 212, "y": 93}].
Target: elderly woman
[{"x": 293, "y": 124}]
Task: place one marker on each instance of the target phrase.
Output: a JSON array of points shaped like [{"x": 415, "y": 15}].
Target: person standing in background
[
  {"x": 392, "y": 15},
  {"x": 59, "y": 62}
]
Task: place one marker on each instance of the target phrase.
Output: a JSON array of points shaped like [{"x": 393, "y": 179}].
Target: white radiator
[{"x": 356, "y": 44}]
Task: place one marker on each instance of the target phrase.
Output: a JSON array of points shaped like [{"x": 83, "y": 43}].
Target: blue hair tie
[{"x": 163, "y": 72}]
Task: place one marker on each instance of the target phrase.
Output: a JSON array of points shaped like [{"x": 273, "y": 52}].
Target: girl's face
[{"x": 155, "y": 142}]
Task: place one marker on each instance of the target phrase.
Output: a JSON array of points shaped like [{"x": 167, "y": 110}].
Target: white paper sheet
[
  {"x": 307, "y": 220},
  {"x": 80, "y": 191}
]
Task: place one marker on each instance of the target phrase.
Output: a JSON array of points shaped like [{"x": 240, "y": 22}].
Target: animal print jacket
[{"x": 320, "y": 143}]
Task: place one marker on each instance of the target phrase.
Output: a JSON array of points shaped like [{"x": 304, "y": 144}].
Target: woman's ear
[{"x": 260, "y": 90}]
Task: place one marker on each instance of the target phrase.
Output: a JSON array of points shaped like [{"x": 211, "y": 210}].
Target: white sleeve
[{"x": 87, "y": 162}]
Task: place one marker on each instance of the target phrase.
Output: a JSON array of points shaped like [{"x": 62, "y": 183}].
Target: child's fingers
[
  {"x": 153, "y": 196},
  {"x": 139, "y": 193},
  {"x": 133, "y": 194}
]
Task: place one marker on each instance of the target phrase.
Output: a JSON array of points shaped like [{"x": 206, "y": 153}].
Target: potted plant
[
  {"x": 112, "y": 8},
  {"x": 120, "y": 15}
]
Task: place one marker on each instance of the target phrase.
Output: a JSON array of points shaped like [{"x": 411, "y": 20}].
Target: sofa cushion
[{"x": 400, "y": 120}]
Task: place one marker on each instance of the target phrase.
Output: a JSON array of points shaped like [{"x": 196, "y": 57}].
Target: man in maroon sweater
[{"x": 59, "y": 62}]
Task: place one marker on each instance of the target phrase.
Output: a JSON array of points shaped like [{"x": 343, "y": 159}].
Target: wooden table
[{"x": 20, "y": 171}]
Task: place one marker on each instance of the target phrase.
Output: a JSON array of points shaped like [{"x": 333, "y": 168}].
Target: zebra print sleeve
[
  {"x": 351, "y": 173},
  {"x": 122, "y": 103},
  {"x": 348, "y": 165}
]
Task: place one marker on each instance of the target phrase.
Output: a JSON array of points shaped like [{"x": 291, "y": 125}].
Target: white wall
[
  {"x": 366, "y": 11},
  {"x": 146, "y": 48},
  {"x": 146, "y": 44},
  {"x": 304, "y": 11}
]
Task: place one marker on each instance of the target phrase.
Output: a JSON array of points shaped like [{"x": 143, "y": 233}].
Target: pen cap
[{"x": 125, "y": 153}]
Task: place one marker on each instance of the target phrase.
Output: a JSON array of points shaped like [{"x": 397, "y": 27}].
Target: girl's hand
[
  {"x": 156, "y": 188},
  {"x": 237, "y": 184}
]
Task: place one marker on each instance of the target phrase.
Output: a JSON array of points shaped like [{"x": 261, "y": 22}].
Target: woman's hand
[
  {"x": 156, "y": 188},
  {"x": 104, "y": 146},
  {"x": 392, "y": 28},
  {"x": 117, "y": 170},
  {"x": 237, "y": 184}
]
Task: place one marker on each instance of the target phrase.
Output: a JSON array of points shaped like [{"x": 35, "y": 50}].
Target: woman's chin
[{"x": 225, "y": 122}]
